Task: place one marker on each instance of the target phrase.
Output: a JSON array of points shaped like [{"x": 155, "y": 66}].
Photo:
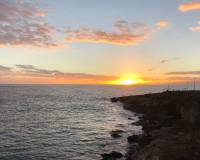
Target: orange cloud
[
  {"x": 41, "y": 13},
  {"x": 125, "y": 34},
  {"x": 195, "y": 29},
  {"x": 162, "y": 24},
  {"x": 189, "y": 6}
]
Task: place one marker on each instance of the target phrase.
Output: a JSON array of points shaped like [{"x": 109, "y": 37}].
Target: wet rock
[
  {"x": 114, "y": 99},
  {"x": 120, "y": 125},
  {"x": 138, "y": 123},
  {"x": 116, "y": 133},
  {"x": 112, "y": 156},
  {"x": 131, "y": 150},
  {"x": 134, "y": 138},
  {"x": 140, "y": 139}
]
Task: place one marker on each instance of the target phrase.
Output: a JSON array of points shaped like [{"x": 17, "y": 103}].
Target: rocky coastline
[{"x": 171, "y": 126}]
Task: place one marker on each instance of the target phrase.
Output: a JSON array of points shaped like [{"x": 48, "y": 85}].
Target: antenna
[
  {"x": 168, "y": 86},
  {"x": 194, "y": 84}
]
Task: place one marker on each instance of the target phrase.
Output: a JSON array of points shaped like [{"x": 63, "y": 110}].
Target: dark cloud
[
  {"x": 183, "y": 78},
  {"x": 21, "y": 24},
  {"x": 184, "y": 73},
  {"x": 168, "y": 60},
  {"x": 25, "y": 66},
  {"x": 30, "y": 70},
  {"x": 150, "y": 69},
  {"x": 164, "y": 61},
  {"x": 3, "y": 68},
  {"x": 32, "y": 74},
  {"x": 177, "y": 58}
]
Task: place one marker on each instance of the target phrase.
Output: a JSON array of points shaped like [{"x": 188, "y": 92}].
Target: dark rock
[
  {"x": 138, "y": 123},
  {"x": 131, "y": 150},
  {"x": 170, "y": 123},
  {"x": 134, "y": 138},
  {"x": 116, "y": 133},
  {"x": 112, "y": 156},
  {"x": 114, "y": 99},
  {"x": 120, "y": 125},
  {"x": 140, "y": 139}
]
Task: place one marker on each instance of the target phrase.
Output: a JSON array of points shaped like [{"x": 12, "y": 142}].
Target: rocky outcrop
[
  {"x": 112, "y": 156},
  {"x": 183, "y": 105},
  {"x": 170, "y": 124}
]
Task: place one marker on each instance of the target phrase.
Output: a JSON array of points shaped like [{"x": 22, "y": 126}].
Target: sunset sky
[{"x": 99, "y": 41}]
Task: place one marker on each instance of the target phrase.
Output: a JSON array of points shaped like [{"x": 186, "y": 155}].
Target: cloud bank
[
  {"x": 183, "y": 76},
  {"x": 33, "y": 74},
  {"x": 30, "y": 74}
]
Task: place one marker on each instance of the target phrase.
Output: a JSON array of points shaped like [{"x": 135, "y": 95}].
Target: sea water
[{"x": 64, "y": 122}]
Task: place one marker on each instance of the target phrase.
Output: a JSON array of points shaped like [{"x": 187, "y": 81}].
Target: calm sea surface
[{"x": 63, "y": 122}]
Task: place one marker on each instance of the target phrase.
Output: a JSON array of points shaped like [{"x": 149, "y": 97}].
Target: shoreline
[{"x": 170, "y": 125}]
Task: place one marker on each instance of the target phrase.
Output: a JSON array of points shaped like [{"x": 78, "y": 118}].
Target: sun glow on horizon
[{"x": 127, "y": 80}]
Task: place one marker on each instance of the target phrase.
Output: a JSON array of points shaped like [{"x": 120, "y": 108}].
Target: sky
[{"x": 99, "y": 41}]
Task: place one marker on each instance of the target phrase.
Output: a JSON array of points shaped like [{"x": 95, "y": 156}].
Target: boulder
[{"x": 112, "y": 156}]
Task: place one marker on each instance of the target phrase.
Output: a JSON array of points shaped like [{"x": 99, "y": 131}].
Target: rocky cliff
[{"x": 170, "y": 123}]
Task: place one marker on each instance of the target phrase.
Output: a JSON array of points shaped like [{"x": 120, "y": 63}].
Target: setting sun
[{"x": 127, "y": 80}]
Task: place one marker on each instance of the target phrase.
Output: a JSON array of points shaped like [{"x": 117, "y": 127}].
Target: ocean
[{"x": 64, "y": 122}]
